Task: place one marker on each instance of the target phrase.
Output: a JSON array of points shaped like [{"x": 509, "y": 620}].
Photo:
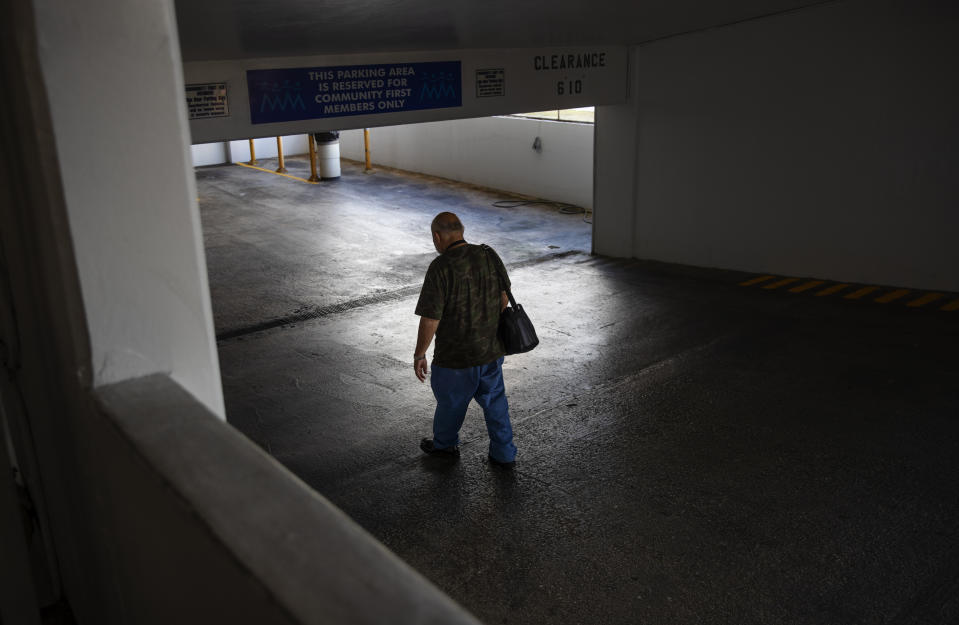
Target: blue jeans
[{"x": 454, "y": 388}]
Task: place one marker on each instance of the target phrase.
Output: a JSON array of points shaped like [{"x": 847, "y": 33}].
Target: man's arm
[
  {"x": 504, "y": 301},
  {"x": 423, "y": 339}
]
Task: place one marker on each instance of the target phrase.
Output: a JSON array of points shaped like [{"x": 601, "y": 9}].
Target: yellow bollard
[
  {"x": 252, "y": 154},
  {"x": 279, "y": 151},
  {"x": 366, "y": 144},
  {"x": 309, "y": 141}
]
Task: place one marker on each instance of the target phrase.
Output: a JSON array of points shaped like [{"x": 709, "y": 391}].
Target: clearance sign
[
  {"x": 284, "y": 95},
  {"x": 568, "y": 68}
]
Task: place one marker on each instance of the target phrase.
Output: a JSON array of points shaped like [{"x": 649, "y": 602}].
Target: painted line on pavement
[
  {"x": 877, "y": 294},
  {"x": 831, "y": 289},
  {"x": 866, "y": 290},
  {"x": 925, "y": 299},
  {"x": 275, "y": 173},
  {"x": 755, "y": 280},
  {"x": 779, "y": 283},
  {"x": 805, "y": 287},
  {"x": 893, "y": 295}
]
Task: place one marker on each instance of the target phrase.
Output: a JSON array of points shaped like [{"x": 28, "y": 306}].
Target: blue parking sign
[{"x": 284, "y": 95}]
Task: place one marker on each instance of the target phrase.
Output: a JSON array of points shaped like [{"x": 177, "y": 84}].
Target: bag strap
[{"x": 501, "y": 272}]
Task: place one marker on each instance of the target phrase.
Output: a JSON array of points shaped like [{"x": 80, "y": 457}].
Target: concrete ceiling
[{"x": 229, "y": 29}]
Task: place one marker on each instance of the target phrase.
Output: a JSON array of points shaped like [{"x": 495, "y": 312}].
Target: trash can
[{"x": 328, "y": 154}]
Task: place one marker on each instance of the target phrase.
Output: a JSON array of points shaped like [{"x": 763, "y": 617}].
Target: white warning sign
[
  {"x": 491, "y": 83},
  {"x": 206, "y": 100}
]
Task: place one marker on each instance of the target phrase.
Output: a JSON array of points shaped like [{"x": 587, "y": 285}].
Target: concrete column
[
  {"x": 113, "y": 76},
  {"x": 615, "y": 150}
]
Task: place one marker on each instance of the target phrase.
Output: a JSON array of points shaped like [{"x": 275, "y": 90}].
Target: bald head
[
  {"x": 447, "y": 223},
  {"x": 447, "y": 228}
]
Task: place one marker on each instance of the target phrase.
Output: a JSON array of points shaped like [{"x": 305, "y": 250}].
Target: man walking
[{"x": 460, "y": 303}]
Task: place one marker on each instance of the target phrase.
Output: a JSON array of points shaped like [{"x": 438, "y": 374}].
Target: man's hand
[
  {"x": 420, "y": 368},
  {"x": 424, "y": 336}
]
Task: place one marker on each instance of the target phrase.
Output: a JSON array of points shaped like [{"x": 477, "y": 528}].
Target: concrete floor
[{"x": 690, "y": 451}]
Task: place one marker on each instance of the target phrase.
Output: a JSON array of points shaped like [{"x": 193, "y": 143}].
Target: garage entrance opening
[{"x": 281, "y": 250}]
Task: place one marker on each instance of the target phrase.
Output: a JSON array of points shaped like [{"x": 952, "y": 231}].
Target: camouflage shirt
[{"x": 462, "y": 289}]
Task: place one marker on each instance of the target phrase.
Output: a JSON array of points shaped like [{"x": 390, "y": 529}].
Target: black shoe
[
  {"x": 503, "y": 465},
  {"x": 427, "y": 446}
]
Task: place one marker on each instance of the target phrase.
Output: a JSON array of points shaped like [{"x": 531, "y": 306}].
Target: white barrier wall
[
  {"x": 239, "y": 151},
  {"x": 816, "y": 143},
  {"x": 495, "y": 152},
  {"x": 209, "y": 154},
  {"x": 266, "y": 148}
]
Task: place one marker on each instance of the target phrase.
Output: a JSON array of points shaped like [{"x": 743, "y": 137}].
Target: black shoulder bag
[{"x": 515, "y": 329}]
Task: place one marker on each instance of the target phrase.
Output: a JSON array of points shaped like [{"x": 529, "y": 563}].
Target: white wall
[
  {"x": 266, "y": 148},
  {"x": 113, "y": 77},
  {"x": 494, "y": 152},
  {"x": 239, "y": 151},
  {"x": 491, "y": 151},
  {"x": 208, "y": 154},
  {"x": 816, "y": 143}
]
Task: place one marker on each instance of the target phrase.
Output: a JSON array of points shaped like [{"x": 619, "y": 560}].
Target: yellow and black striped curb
[{"x": 879, "y": 294}]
